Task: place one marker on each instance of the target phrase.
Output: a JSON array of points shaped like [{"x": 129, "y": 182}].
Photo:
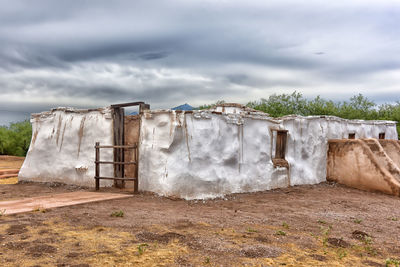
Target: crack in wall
[{"x": 80, "y": 134}]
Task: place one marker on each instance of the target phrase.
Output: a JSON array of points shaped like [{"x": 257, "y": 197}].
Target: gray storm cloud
[{"x": 93, "y": 53}]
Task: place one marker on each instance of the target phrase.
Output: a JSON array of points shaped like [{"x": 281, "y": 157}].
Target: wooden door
[{"x": 131, "y": 135}]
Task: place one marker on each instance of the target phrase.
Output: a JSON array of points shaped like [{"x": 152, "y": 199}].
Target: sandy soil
[
  {"x": 321, "y": 225},
  {"x": 10, "y": 162}
]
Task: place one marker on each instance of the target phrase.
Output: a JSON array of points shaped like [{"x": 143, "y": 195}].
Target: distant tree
[
  {"x": 280, "y": 105},
  {"x": 359, "y": 107},
  {"x": 390, "y": 112},
  {"x": 320, "y": 106},
  {"x": 15, "y": 139}
]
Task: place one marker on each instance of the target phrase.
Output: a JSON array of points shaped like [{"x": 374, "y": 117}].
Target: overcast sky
[{"x": 94, "y": 53}]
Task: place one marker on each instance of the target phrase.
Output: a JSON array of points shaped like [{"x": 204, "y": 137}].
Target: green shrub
[
  {"x": 15, "y": 139},
  {"x": 117, "y": 214},
  {"x": 358, "y": 107}
]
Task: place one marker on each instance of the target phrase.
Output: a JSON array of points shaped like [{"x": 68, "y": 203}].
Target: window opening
[
  {"x": 280, "y": 148},
  {"x": 279, "y": 141}
]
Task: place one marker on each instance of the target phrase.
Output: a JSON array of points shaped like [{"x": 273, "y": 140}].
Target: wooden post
[
  {"x": 97, "y": 172},
  {"x": 118, "y": 116},
  {"x": 136, "y": 182},
  {"x": 142, "y": 107},
  {"x": 122, "y": 150}
]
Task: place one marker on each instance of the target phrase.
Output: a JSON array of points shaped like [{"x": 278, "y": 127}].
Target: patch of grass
[
  {"x": 280, "y": 232},
  {"x": 395, "y": 219},
  {"x": 358, "y": 221},
  {"x": 368, "y": 246},
  {"x": 392, "y": 262},
  {"x": 325, "y": 231},
  {"x": 342, "y": 253},
  {"x": 367, "y": 240},
  {"x": 322, "y": 222},
  {"x": 142, "y": 248},
  {"x": 207, "y": 260},
  {"x": 250, "y": 230},
  {"x": 119, "y": 213},
  {"x": 285, "y": 225}
]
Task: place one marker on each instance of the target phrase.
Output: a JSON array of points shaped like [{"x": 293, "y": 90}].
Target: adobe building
[{"x": 203, "y": 154}]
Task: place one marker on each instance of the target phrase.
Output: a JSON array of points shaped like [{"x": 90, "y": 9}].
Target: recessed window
[
  {"x": 352, "y": 136},
  {"x": 381, "y": 135},
  {"x": 281, "y": 139}
]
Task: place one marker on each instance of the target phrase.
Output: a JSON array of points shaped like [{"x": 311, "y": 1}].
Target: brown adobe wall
[
  {"x": 362, "y": 164},
  {"x": 383, "y": 157},
  {"x": 392, "y": 148}
]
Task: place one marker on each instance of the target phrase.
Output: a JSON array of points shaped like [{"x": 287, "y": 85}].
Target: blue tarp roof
[{"x": 183, "y": 107}]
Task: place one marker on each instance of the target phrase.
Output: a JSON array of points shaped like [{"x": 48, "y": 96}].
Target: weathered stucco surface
[
  {"x": 194, "y": 155},
  {"x": 201, "y": 155},
  {"x": 364, "y": 164},
  {"x": 206, "y": 154},
  {"x": 62, "y": 146},
  {"x": 392, "y": 148}
]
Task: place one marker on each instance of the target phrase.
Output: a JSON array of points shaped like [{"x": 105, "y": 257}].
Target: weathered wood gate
[
  {"x": 98, "y": 177},
  {"x": 125, "y": 148}
]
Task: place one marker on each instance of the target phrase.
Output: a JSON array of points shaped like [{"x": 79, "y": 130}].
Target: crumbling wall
[
  {"x": 62, "y": 146},
  {"x": 199, "y": 154},
  {"x": 205, "y": 154},
  {"x": 363, "y": 164}
]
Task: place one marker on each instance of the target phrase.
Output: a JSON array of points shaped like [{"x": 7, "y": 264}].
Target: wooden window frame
[
  {"x": 281, "y": 142},
  {"x": 278, "y": 158}
]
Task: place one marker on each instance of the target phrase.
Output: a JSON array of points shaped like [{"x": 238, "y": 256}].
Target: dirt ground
[{"x": 320, "y": 225}]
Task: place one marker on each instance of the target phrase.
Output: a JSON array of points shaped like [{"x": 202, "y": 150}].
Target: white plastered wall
[
  {"x": 204, "y": 154},
  {"x": 62, "y": 146}
]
